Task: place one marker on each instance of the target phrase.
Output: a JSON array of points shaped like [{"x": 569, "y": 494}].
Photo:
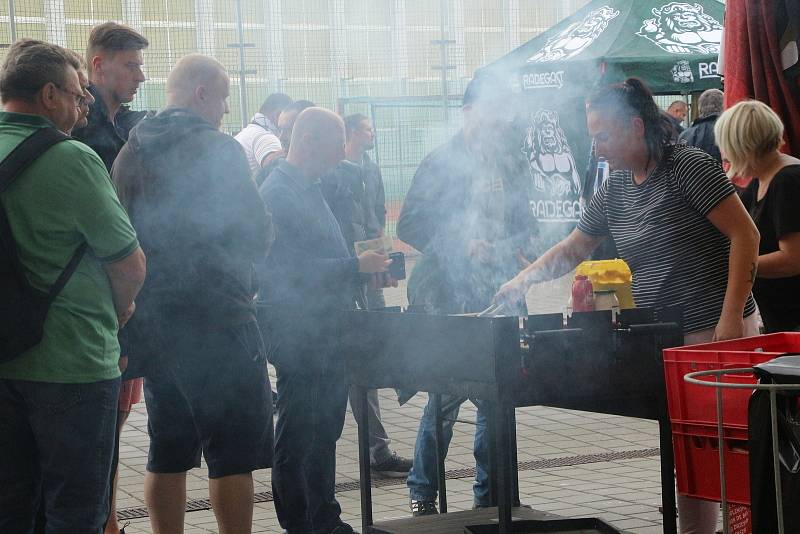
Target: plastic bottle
[
  {"x": 582, "y": 294},
  {"x": 602, "y": 173}
]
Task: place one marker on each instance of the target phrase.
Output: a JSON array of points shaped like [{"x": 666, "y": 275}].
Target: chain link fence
[
  {"x": 404, "y": 63},
  {"x": 321, "y": 50},
  {"x": 406, "y": 129}
]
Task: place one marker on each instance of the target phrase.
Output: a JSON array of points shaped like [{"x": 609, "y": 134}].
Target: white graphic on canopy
[
  {"x": 682, "y": 28},
  {"x": 576, "y": 37},
  {"x": 556, "y": 183},
  {"x": 682, "y": 72}
]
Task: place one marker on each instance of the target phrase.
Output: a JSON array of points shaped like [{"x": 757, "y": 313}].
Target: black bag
[
  {"x": 23, "y": 308},
  {"x": 782, "y": 370}
]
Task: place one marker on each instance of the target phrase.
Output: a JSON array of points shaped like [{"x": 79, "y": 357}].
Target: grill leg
[
  {"x": 504, "y": 466},
  {"x": 492, "y": 429},
  {"x": 363, "y": 458},
  {"x": 668, "y": 504},
  {"x": 438, "y": 421},
  {"x": 512, "y": 449}
]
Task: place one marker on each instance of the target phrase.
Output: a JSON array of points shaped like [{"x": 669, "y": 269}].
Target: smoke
[
  {"x": 490, "y": 200},
  {"x": 188, "y": 192}
]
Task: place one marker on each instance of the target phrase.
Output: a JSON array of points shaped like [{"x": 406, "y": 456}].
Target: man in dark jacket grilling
[
  {"x": 188, "y": 191},
  {"x": 468, "y": 213},
  {"x": 309, "y": 276}
]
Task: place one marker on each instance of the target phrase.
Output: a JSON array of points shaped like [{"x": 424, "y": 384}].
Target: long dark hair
[{"x": 632, "y": 98}]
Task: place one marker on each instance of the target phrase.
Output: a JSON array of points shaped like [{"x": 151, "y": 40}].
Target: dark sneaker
[
  {"x": 393, "y": 467},
  {"x": 340, "y": 528},
  {"x": 420, "y": 508},
  {"x": 344, "y": 528}
]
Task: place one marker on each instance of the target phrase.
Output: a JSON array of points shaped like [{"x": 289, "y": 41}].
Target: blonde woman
[{"x": 749, "y": 136}]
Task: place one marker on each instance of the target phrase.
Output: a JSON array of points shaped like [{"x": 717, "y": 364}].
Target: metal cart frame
[{"x": 773, "y": 389}]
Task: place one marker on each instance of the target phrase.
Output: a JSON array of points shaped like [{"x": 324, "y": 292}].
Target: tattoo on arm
[{"x": 753, "y": 269}]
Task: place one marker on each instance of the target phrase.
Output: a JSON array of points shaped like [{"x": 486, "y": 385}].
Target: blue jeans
[
  {"x": 422, "y": 479},
  {"x": 56, "y": 441}
]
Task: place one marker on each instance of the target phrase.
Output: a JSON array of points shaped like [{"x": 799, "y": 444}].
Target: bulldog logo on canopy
[
  {"x": 682, "y": 72},
  {"x": 556, "y": 184},
  {"x": 576, "y": 37},
  {"x": 681, "y": 28}
]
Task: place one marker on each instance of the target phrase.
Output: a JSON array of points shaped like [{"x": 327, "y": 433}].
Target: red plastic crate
[
  {"x": 697, "y": 462},
  {"x": 690, "y": 403}
]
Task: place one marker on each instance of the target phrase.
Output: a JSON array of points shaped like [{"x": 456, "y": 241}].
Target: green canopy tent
[{"x": 673, "y": 46}]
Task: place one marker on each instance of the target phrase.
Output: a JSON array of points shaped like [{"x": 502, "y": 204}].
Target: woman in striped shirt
[{"x": 676, "y": 221}]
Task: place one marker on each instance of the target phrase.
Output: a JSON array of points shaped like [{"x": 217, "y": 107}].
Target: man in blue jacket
[{"x": 309, "y": 276}]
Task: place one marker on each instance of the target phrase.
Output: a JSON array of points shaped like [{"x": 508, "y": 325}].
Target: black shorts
[{"x": 214, "y": 398}]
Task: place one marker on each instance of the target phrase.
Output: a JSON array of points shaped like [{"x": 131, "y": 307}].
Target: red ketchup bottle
[{"x": 582, "y": 294}]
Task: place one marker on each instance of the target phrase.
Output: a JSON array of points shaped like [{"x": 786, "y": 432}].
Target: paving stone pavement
[{"x": 624, "y": 492}]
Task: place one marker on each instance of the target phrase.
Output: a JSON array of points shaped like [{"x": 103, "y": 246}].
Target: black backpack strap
[
  {"x": 65, "y": 275},
  {"x": 27, "y": 152},
  {"x": 11, "y": 167}
]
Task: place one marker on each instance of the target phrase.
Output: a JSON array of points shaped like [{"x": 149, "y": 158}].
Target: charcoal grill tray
[{"x": 583, "y": 525}]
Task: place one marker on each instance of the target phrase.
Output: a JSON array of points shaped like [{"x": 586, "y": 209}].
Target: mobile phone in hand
[{"x": 397, "y": 269}]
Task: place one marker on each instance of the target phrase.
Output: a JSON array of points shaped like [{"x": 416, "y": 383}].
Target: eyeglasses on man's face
[{"x": 80, "y": 98}]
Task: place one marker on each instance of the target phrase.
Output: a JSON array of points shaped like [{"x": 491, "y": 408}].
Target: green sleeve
[{"x": 100, "y": 218}]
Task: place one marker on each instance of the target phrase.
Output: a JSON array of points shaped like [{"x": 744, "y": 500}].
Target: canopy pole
[
  {"x": 12, "y": 20},
  {"x": 445, "y": 60}
]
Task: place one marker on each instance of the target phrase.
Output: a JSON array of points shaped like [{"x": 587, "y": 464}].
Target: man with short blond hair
[
  {"x": 189, "y": 193},
  {"x": 58, "y": 399}
]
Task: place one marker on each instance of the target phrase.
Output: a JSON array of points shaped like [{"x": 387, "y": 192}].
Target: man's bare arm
[{"x": 126, "y": 277}]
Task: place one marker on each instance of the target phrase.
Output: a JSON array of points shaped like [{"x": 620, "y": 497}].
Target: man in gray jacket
[{"x": 188, "y": 191}]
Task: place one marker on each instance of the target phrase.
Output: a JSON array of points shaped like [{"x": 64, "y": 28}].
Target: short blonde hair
[{"x": 747, "y": 132}]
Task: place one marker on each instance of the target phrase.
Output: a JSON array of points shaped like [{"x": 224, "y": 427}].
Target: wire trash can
[{"x": 700, "y": 378}]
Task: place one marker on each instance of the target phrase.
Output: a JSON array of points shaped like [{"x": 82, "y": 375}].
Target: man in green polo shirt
[{"x": 58, "y": 401}]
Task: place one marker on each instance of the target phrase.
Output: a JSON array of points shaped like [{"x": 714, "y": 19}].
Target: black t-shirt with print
[{"x": 776, "y": 215}]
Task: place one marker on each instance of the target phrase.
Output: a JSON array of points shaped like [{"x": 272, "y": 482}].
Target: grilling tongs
[{"x": 497, "y": 309}]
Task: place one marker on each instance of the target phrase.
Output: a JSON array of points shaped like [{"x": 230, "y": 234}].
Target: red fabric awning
[{"x": 752, "y": 62}]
